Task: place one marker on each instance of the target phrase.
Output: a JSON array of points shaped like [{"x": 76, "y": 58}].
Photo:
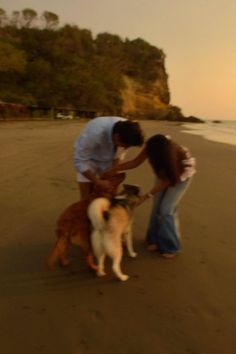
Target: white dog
[{"x": 112, "y": 223}]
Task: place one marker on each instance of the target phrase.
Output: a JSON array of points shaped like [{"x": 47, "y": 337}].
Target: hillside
[{"x": 43, "y": 64}]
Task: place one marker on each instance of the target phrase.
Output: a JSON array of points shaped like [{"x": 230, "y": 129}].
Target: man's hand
[
  {"x": 109, "y": 173},
  {"x": 104, "y": 185}
]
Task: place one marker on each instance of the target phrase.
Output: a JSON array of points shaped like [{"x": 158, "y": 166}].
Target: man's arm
[{"x": 100, "y": 183}]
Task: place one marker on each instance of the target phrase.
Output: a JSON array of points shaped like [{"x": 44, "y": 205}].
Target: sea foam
[{"x": 223, "y": 132}]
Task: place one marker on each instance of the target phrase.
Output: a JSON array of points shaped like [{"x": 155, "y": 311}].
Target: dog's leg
[
  {"x": 98, "y": 252},
  {"x": 63, "y": 261},
  {"x": 100, "y": 269},
  {"x": 90, "y": 262},
  {"x": 63, "y": 245},
  {"x": 87, "y": 250},
  {"x": 58, "y": 253},
  {"x": 116, "y": 257},
  {"x": 128, "y": 237}
]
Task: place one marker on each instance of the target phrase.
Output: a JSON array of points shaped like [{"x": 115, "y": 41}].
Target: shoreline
[
  {"x": 224, "y": 133},
  {"x": 178, "y": 306}
]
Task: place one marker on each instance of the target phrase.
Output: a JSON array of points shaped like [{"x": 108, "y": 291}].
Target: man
[{"x": 101, "y": 145}]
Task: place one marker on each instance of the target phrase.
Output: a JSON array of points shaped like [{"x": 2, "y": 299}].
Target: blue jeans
[{"x": 163, "y": 228}]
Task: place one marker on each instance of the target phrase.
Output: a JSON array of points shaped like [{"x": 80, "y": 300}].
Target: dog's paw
[
  {"x": 101, "y": 273},
  {"x": 133, "y": 254},
  {"x": 64, "y": 263},
  {"x": 123, "y": 277},
  {"x": 93, "y": 267}
]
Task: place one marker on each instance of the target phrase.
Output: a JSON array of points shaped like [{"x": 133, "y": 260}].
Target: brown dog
[{"x": 73, "y": 227}]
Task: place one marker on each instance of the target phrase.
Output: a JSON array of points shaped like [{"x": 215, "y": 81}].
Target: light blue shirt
[{"x": 95, "y": 143}]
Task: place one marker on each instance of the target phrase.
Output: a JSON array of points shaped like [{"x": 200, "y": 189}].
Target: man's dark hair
[{"x": 130, "y": 132}]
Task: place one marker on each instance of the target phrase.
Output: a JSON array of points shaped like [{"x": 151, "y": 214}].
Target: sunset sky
[{"x": 198, "y": 37}]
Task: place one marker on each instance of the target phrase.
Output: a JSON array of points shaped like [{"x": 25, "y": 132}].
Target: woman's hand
[{"x": 143, "y": 198}]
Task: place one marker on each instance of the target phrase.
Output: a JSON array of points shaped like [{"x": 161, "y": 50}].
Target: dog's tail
[
  {"x": 56, "y": 253},
  {"x": 98, "y": 212}
]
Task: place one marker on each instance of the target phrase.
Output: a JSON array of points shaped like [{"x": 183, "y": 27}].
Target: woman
[{"x": 173, "y": 167}]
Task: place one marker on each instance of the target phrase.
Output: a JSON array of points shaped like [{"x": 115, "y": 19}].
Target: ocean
[{"x": 223, "y": 132}]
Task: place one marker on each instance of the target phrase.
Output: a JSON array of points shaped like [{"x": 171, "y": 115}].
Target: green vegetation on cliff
[{"x": 44, "y": 64}]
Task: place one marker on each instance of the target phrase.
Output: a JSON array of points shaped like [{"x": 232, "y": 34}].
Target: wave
[{"x": 224, "y": 132}]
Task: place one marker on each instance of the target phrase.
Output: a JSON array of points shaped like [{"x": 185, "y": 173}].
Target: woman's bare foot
[
  {"x": 169, "y": 255},
  {"x": 152, "y": 248}
]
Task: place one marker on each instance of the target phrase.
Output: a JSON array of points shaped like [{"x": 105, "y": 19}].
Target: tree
[
  {"x": 3, "y": 17},
  {"x": 11, "y": 59},
  {"x": 15, "y": 19},
  {"x": 39, "y": 80},
  {"x": 28, "y": 17},
  {"x": 140, "y": 55},
  {"x": 50, "y": 20},
  {"x": 66, "y": 66},
  {"x": 73, "y": 42},
  {"x": 111, "y": 47}
]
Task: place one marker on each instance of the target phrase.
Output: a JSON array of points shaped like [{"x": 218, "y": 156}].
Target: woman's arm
[
  {"x": 162, "y": 184},
  {"x": 138, "y": 160}
]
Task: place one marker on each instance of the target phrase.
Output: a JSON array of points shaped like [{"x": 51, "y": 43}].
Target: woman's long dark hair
[{"x": 165, "y": 157}]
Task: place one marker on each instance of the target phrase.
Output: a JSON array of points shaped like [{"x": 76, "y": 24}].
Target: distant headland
[{"x": 65, "y": 70}]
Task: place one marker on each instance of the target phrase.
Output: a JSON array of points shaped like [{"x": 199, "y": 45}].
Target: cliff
[
  {"x": 54, "y": 67},
  {"x": 145, "y": 101},
  {"x": 151, "y": 101}
]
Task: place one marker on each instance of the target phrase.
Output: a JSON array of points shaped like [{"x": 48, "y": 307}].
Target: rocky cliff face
[
  {"x": 146, "y": 99},
  {"x": 151, "y": 101}
]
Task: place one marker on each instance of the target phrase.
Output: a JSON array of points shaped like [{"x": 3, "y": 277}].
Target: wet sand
[{"x": 185, "y": 305}]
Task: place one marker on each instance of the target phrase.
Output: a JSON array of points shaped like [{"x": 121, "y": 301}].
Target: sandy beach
[{"x": 185, "y": 305}]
